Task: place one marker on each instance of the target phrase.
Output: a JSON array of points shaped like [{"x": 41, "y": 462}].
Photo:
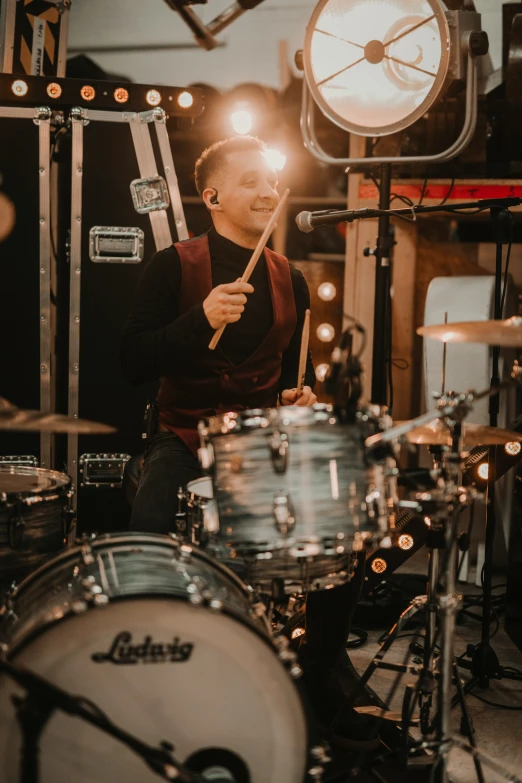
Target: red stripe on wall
[{"x": 460, "y": 192}]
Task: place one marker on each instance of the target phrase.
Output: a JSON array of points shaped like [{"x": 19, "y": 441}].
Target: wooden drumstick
[
  {"x": 255, "y": 258},
  {"x": 303, "y": 356}
]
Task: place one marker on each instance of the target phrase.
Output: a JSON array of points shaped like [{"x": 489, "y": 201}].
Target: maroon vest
[{"x": 209, "y": 383}]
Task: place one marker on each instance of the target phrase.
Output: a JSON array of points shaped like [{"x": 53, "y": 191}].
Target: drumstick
[
  {"x": 303, "y": 356},
  {"x": 255, "y": 258}
]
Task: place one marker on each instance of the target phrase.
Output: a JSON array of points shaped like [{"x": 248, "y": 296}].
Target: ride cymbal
[
  {"x": 438, "y": 434},
  {"x": 506, "y": 333}
]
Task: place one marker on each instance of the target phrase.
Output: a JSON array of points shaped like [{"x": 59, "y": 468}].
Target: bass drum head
[{"x": 161, "y": 669}]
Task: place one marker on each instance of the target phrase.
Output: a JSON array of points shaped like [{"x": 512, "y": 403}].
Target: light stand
[{"x": 382, "y": 299}]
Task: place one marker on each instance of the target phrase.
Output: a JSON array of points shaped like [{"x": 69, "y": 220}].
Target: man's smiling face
[{"x": 247, "y": 191}]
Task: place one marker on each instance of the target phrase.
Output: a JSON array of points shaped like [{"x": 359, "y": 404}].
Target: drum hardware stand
[
  {"x": 43, "y": 698},
  {"x": 382, "y": 297},
  {"x": 484, "y": 664},
  {"x": 443, "y": 506}
]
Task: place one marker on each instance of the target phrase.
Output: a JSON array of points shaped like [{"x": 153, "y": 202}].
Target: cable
[
  {"x": 423, "y": 191},
  {"x": 446, "y": 197}
]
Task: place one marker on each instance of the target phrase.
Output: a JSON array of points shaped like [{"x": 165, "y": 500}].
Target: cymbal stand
[{"x": 443, "y": 506}]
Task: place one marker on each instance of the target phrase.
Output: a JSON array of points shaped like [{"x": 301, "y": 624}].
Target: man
[{"x": 187, "y": 292}]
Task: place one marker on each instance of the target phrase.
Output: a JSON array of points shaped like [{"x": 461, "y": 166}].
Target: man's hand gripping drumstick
[
  {"x": 231, "y": 298},
  {"x": 302, "y": 395}
]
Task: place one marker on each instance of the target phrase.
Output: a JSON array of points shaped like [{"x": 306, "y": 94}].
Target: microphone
[{"x": 307, "y": 221}]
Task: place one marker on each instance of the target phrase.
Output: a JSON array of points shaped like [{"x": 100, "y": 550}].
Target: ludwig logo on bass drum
[{"x": 123, "y": 651}]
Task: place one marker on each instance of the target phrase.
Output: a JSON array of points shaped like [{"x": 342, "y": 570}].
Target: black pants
[{"x": 168, "y": 465}]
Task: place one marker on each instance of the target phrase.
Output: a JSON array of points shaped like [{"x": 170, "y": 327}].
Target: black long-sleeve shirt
[{"x": 156, "y": 337}]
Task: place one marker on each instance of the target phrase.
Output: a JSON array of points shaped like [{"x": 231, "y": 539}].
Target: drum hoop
[
  {"x": 212, "y": 427},
  {"x": 62, "y": 482},
  {"x": 128, "y": 538}
]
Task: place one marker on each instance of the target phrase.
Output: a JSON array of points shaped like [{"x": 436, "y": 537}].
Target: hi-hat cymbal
[
  {"x": 438, "y": 434},
  {"x": 506, "y": 333},
  {"x": 17, "y": 419}
]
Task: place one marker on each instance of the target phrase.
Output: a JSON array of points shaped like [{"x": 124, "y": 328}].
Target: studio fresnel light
[{"x": 374, "y": 67}]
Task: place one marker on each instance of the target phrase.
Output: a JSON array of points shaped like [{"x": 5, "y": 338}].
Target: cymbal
[
  {"x": 437, "y": 434},
  {"x": 17, "y": 419},
  {"x": 506, "y": 333}
]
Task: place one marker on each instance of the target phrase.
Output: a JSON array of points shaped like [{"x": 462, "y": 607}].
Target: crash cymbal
[
  {"x": 17, "y": 419},
  {"x": 438, "y": 434},
  {"x": 506, "y": 333}
]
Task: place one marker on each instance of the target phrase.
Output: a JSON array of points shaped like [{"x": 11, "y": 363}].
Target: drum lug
[
  {"x": 7, "y": 611},
  {"x": 93, "y": 593},
  {"x": 320, "y": 753},
  {"x": 86, "y": 555},
  {"x": 78, "y": 607},
  {"x": 69, "y": 516},
  {"x": 284, "y": 513},
  {"x": 287, "y": 657},
  {"x": 258, "y": 609},
  {"x": 185, "y": 553},
  {"x": 278, "y": 445},
  {"x": 316, "y": 774},
  {"x": 200, "y": 594},
  {"x": 16, "y": 531},
  {"x": 321, "y": 757}
]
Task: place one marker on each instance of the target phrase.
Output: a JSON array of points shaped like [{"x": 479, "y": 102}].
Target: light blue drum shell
[{"x": 326, "y": 482}]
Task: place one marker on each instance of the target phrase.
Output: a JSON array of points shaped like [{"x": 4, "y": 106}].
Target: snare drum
[
  {"x": 202, "y": 513},
  {"x": 35, "y": 518},
  {"x": 169, "y": 644},
  {"x": 296, "y": 500}
]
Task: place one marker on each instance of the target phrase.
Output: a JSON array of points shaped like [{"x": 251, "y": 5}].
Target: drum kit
[{"x": 176, "y": 641}]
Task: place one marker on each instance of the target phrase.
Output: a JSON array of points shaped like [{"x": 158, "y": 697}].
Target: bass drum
[{"x": 170, "y": 646}]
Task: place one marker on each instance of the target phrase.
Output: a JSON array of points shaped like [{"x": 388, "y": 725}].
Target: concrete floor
[{"x": 498, "y": 731}]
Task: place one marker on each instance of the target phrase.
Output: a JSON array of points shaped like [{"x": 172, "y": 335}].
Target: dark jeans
[{"x": 168, "y": 465}]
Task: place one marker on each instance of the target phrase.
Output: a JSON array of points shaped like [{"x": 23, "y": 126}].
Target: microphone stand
[
  {"x": 381, "y": 354},
  {"x": 43, "y": 698}
]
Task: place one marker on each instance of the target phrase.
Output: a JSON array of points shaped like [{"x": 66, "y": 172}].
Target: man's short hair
[{"x": 214, "y": 156}]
